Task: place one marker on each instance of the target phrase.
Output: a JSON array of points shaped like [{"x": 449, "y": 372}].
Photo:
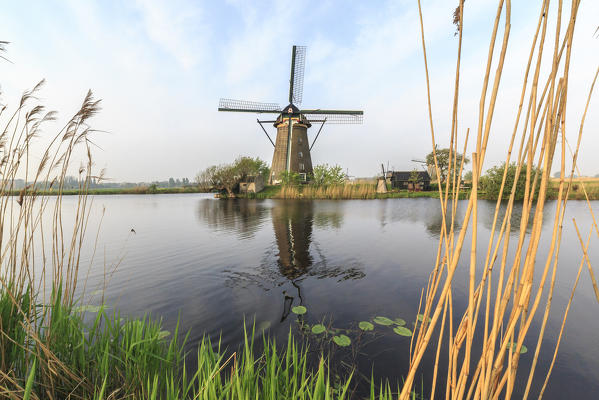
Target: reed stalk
[{"x": 493, "y": 373}]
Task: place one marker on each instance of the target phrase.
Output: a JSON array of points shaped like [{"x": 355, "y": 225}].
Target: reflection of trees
[
  {"x": 237, "y": 215},
  {"x": 424, "y": 211},
  {"x": 428, "y": 212},
  {"x": 515, "y": 219}
]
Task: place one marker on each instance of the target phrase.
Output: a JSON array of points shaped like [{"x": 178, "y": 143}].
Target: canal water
[{"x": 213, "y": 264}]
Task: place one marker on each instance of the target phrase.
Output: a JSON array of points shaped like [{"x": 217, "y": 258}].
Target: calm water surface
[{"x": 213, "y": 263}]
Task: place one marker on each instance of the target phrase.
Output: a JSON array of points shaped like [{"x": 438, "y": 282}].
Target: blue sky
[{"x": 161, "y": 66}]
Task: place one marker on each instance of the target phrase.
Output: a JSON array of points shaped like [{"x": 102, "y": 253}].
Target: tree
[
  {"x": 206, "y": 179},
  {"x": 491, "y": 181},
  {"x": 225, "y": 178},
  {"x": 414, "y": 179},
  {"x": 171, "y": 182},
  {"x": 443, "y": 161},
  {"x": 324, "y": 174},
  {"x": 248, "y": 166},
  {"x": 468, "y": 176}
]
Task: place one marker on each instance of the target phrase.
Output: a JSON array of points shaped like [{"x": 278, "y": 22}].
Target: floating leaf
[
  {"x": 366, "y": 326},
  {"x": 402, "y": 330},
  {"x": 420, "y": 318},
  {"x": 523, "y": 349},
  {"x": 399, "y": 321},
  {"x": 299, "y": 310},
  {"x": 163, "y": 334},
  {"x": 87, "y": 308},
  {"x": 342, "y": 340},
  {"x": 383, "y": 321},
  {"x": 318, "y": 329}
]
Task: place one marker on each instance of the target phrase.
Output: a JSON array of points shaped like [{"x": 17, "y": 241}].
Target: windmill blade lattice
[
  {"x": 336, "y": 118},
  {"x": 298, "y": 66},
  {"x": 248, "y": 106}
]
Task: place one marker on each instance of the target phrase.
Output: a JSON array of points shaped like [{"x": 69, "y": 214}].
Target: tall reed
[{"x": 503, "y": 298}]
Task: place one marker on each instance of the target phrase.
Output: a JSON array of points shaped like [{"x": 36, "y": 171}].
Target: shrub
[
  {"x": 490, "y": 182},
  {"x": 290, "y": 178},
  {"x": 328, "y": 175}
]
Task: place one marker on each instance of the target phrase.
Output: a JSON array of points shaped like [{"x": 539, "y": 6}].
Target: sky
[{"x": 160, "y": 68}]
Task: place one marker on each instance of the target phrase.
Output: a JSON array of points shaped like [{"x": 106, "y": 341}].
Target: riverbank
[
  {"x": 62, "y": 351},
  {"x": 337, "y": 192},
  {"x": 368, "y": 191},
  {"x": 111, "y": 191}
]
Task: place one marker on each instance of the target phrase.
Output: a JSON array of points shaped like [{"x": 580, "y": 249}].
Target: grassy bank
[
  {"x": 336, "y": 192},
  {"x": 578, "y": 188},
  {"x": 107, "y": 191},
  {"x": 368, "y": 191},
  {"x": 55, "y": 354}
]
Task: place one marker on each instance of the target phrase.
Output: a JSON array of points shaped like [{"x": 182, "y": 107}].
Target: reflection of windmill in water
[
  {"x": 293, "y": 257},
  {"x": 291, "y": 147},
  {"x": 293, "y": 222}
]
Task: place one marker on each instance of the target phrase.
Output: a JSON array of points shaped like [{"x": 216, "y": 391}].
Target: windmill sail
[
  {"x": 248, "y": 106},
  {"x": 296, "y": 81},
  {"x": 334, "y": 116}
]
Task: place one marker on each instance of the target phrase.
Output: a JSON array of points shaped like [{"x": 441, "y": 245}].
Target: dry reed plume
[
  {"x": 32, "y": 263},
  {"x": 503, "y": 299}
]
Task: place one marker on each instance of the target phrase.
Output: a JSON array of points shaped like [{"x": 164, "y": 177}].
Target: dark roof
[{"x": 405, "y": 175}]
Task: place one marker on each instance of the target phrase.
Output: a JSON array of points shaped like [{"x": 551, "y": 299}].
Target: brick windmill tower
[{"x": 291, "y": 147}]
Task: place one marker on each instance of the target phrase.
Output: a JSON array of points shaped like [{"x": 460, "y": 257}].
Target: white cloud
[{"x": 177, "y": 27}]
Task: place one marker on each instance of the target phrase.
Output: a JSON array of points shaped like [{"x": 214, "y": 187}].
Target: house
[{"x": 401, "y": 180}]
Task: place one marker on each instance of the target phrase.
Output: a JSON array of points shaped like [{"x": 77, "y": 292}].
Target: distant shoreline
[
  {"x": 111, "y": 191},
  {"x": 343, "y": 192}
]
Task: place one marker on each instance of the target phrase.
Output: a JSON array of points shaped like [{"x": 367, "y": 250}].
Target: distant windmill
[{"x": 292, "y": 149}]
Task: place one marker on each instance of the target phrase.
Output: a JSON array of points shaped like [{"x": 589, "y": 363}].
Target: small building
[
  {"x": 253, "y": 184},
  {"x": 401, "y": 180}
]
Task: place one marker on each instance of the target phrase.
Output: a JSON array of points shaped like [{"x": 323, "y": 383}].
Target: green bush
[
  {"x": 328, "y": 175},
  {"x": 490, "y": 182},
  {"x": 289, "y": 178}
]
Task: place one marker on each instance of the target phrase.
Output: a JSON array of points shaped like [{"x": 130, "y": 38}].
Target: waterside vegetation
[{"x": 54, "y": 346}]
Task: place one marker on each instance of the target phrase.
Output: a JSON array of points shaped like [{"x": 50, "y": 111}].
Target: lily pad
[
  {"x": 399, "y": 321},
  {"x": 163, "y": 334},
  {"x": 299, "y": 310},
  {"x": 366, "y": 326},
  {"x": 342, "y": 340},
  {"x": 383, "y": 321},
  {"x": 318, "y": 329},
  {"x": 402, "y": 331},
  {"x": 523, "y": 349},
  {"x": 420, "y": 318}
]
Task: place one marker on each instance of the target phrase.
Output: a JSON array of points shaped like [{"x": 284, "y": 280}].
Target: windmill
[{"x": 291, "y": 146}]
